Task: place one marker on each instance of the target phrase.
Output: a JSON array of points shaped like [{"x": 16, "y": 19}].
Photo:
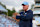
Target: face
[{"x": 25, "y": 7}]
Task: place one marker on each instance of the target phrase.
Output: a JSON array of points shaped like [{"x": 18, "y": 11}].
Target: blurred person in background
[{"x": 25, "y": 16}]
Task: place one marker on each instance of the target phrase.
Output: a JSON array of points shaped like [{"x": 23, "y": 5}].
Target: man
[{"x": 25, "y": 16}]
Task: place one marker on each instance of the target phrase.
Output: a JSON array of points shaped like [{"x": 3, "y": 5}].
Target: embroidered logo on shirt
[{"x": 25, "y": 14}]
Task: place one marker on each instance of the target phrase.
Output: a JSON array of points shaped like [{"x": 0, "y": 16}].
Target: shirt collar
[{"x": 27, "y": 10}]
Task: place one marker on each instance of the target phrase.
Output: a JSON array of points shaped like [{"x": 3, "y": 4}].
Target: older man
[{"x": 25, "y": 16}]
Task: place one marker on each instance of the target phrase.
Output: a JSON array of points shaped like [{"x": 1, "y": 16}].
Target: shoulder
[{"x": 30, "y": 10}]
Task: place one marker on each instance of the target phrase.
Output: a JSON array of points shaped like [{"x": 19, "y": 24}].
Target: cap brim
[{"x": 22, "y": 4}]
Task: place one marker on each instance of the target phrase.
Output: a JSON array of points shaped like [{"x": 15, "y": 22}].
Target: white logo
[{"x": 25, "y": 13}]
